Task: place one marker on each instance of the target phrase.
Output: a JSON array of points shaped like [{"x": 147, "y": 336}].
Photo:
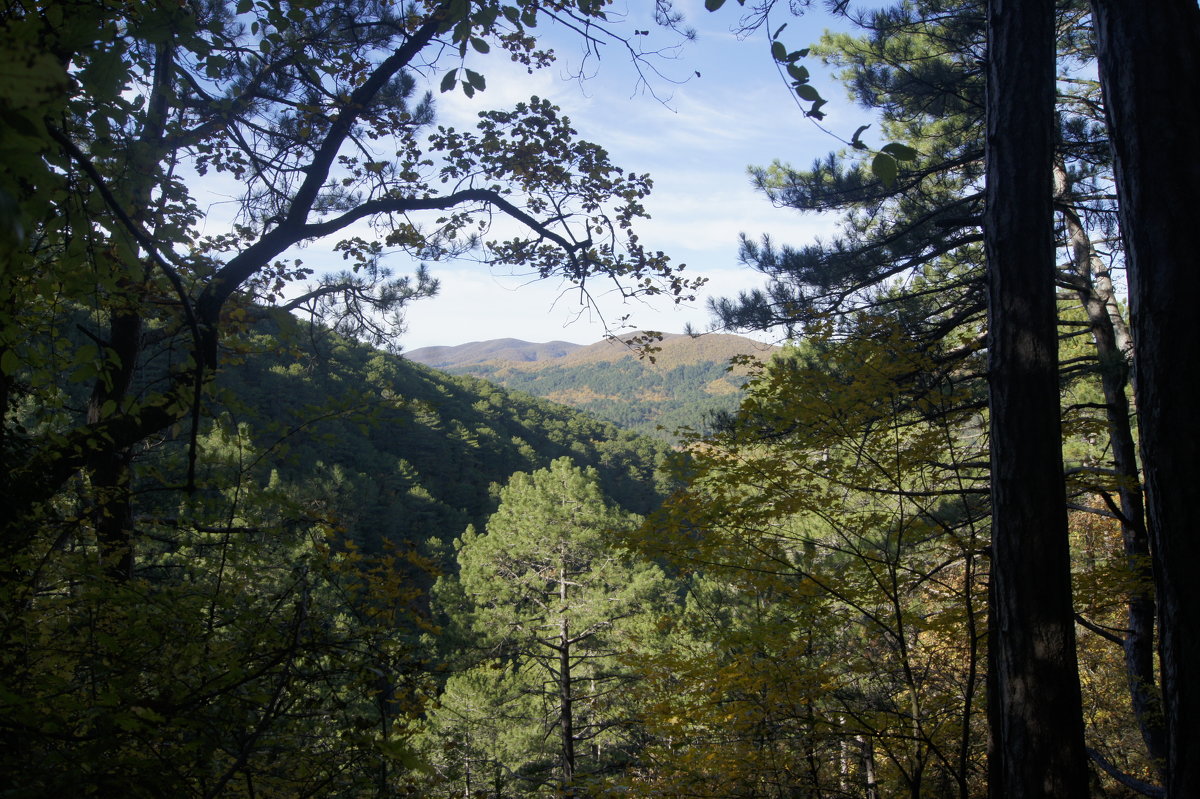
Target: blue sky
[{"x": 696, "y": 139}]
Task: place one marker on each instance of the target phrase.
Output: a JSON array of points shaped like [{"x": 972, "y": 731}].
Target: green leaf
[
  {"x": 480, "y": 45},
  {"x": 778, "y": 51},
  {"x": 9, "y": 362},
  {"x": 28, "y": 126},
  {"x": 215, "y": 64},
  {"x": 457, "y": 11},
  {"x": 244, "y": 6},
  {"x": 107, "y": 72},
  {"x": 901, "y": 152},
  {"x": 885, "y": 168},
  {"x": 85, "y": 354},
  {"x": 798, "y": 73},
  {"x": 808, "y": 92},
  {"x": 448, "y": 80},
  {"x": 713, "y": 5},
  {"x": 476, "y": 80}
]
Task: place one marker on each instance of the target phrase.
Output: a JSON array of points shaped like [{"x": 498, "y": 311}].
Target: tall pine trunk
[
  {"x": 1150, "y": 72},
  {"x": 1034, "y": 713},
  {"x": 565, "y": 698}
]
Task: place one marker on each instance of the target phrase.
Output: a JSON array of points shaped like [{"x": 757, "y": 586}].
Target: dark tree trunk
[
  {"x": 1035, "y": 715},
  {"x": 109, "y": 468},
  {"x": 1150, "y": 72},
  {"x": 1096, "y": 296},
  {"x": 565, "y": 698},
  {"x": 109, "y": 471}
]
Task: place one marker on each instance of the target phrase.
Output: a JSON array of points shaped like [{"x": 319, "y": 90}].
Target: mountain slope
[
  {"x": 412, "y": 453},
  {"x": 688, "y": 380}
]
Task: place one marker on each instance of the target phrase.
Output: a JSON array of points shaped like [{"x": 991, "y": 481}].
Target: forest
[{"x": 941, "y": 547}]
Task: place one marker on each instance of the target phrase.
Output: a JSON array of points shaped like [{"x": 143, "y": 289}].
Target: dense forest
[
  {"x": 941, "y": 546},
  {"x": 382, "y": 427}
]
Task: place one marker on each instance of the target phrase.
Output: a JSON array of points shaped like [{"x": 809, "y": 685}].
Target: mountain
[
  {"x": 409, "y": 453},
  {"x": 688, "y": 380},
  {"x": 500, "y": 349}
]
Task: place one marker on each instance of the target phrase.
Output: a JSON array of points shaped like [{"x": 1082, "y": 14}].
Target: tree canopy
[
  {"x": 313, "y": 110},
  {"x": 552, "y": 601},
  {"x": 941, "y": 547}
]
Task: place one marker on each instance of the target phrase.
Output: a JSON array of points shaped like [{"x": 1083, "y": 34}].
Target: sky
[{"x": 695, "y": 138}]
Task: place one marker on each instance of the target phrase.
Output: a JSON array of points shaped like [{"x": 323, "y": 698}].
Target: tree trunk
[
  {"x": 566, "y": 710},
  {"x": 867, "y": 748},
  {"x": 109, "y": 471},
  {"x": 1150, "y": 72},
  {"x": 1035, "y": 716},
  {"x": 109, "y": 468},
  {"x": 1112, "y": 350}
]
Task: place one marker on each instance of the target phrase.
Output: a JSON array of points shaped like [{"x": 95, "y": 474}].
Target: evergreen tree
[
  {"x": 1149, "y": 65},
  {"x": 911, "y": 249},
  {"x": 554, "y": 600},
  {"x": 1035, "y": 710}
]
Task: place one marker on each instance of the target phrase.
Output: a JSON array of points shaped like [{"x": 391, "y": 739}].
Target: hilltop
[
  {"x": 688, "y": 380},
  {"x": 500, "y": 349}
]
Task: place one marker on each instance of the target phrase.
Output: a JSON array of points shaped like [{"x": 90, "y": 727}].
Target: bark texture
[
  {"x": 1150, "y": 72},
  {"x": 1035, "y": 715}
]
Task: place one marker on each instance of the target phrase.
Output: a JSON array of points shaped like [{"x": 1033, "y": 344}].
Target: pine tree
[{"x": 554, "y": 599}]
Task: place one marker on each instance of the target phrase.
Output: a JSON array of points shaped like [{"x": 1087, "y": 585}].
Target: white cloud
[{"x": 474, "y": 305}]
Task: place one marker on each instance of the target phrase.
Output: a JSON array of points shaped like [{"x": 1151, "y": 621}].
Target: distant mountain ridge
[
  {"x": 676, "y": 348},
  {"x": 688, "y": 380},
  {"x": 500, "y": 349}
]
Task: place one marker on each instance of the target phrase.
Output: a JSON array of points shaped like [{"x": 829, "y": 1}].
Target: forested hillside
[
  {"x": 410, "y": 452},
  {"x": 941, "y": 545},
  {"x": 684, "y": 383},
  {"x": 332, "y": 481}
]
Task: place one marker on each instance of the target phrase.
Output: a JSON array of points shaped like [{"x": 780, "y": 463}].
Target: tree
[
  {"x": 551, "y": 595},
  {"x": 182, "y": 618},
  {"x": 832, "y": 636},
  {"x": 1149, "y": 65},
  {"x": 1034, "y": 706},
  {"x": 312, "y": 109},
  {"x": 254, "y": 652},
  {"x": 921, "y": 65}
]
